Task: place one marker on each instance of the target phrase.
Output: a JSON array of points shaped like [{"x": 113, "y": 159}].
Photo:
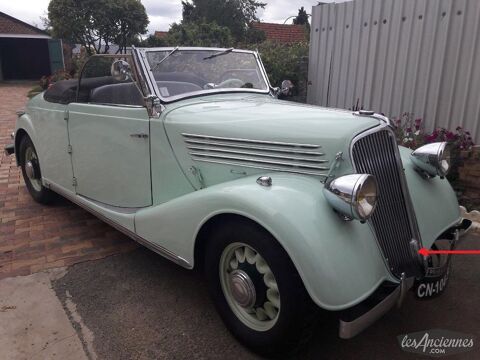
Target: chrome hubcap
[
  {"x": 249, "y": 286},
  {"x": 243, "y": 290},
  {"x": 29, "y": 170}
]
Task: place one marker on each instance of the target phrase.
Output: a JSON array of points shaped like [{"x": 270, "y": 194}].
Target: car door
[{"x": 109, "y": 135}]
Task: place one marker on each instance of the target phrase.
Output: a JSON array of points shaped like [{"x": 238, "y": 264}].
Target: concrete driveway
[{"x": 140, "y": 306}]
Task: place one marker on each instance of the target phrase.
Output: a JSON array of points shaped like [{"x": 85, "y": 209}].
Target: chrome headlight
[
  {"x": 354, "y": 196},
  {"x": 432, "y": 159}
]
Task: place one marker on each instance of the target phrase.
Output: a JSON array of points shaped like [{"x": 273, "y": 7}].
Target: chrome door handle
[{"x": 139, "y": 135}]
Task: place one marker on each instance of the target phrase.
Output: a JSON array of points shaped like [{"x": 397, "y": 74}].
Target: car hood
[{"x": 218, "y": 138}]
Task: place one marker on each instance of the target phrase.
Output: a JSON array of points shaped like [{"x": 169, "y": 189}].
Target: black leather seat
[{"x": 118, "y": 94}]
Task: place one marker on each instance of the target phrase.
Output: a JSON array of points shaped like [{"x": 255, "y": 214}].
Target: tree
[
  {"x": 233, "y": 14},
  {"x": 199, "y": 34},
  {"x": 96, "y": 24},
  {"x": 302, "y": 18},
  {"x": 130, "y": 18},
  {"x": 254, "y": 35},
  {"x": 150, "y": 41}
]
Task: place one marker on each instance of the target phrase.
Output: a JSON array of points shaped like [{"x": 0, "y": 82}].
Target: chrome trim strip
[
  {"x": 348, "y": 330},
  {"x": 374, "y": 115},
  {"x": 277, "y": 143},
  {"x": 293, "y": 171},
  {"x": 195, "y": 155},
  {"x": 208, "y": 151},
  {"x": 254, "y": 147},
  {"x": 154, "y": 247}
]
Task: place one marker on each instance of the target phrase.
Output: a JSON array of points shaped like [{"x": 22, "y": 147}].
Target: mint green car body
[{"x": 152, "y": 189}]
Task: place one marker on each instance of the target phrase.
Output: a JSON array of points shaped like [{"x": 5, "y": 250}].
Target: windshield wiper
[
  {"x": 219, "y": 54},
  {"x": 165, "y": 58}
]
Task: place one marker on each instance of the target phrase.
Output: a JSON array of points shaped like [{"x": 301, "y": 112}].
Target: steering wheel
[{"x": 230, "y": 83}]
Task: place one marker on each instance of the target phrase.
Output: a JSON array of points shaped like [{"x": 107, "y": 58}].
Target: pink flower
[
  {"x": 418, "y": 121},
  {"x": 450, "y": 136}
]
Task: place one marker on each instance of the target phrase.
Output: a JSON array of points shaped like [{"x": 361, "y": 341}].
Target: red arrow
[{"x": 426, "y": 252}]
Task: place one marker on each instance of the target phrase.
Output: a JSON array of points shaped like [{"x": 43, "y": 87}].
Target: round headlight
[
  {"x": 432, "y": 159},
  {"x": 366, "y": 197},
  {"x": 354, "y": 196}
]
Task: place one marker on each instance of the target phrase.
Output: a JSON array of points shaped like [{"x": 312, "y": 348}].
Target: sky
[{"x": 161, "y": 13}]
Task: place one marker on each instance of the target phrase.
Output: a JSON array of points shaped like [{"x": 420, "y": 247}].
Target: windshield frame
[{"x": 142, "y": 54}]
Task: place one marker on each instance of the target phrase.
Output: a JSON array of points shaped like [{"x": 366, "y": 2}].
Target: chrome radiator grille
[
  {"x": 259, "y": 154},
  {"x": 377, "y": 154}
]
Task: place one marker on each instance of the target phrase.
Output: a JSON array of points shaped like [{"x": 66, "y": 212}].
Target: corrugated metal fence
[{"x": 396, "y": 56}]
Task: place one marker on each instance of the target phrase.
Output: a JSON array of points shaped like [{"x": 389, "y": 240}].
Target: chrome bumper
[
  {"x": 367, "y": 312},
  {"x": 349, "y": 329}
]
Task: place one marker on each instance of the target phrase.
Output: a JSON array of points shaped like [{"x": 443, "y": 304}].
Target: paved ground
[
  {"x": 35, "y": 237},
  {"x": 140, "y": 306},
  {"x": 33, "y": 322}
]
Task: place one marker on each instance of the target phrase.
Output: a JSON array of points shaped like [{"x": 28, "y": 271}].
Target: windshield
[{"x": 180, "y": 72}]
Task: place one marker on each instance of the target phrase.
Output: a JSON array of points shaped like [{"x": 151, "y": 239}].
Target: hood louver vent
[{"x": 260, "y": 154}]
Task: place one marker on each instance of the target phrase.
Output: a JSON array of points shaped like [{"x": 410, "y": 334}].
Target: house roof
[
  {"x": 285, "y": 33},
  {"x": 161, "y": 34},
  {"x": 12, "y": 27}
]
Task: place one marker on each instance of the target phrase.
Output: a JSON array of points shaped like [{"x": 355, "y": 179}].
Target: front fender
[
  {"x": 340, "y": 262},
  {"x": 434, "y": 201},
  {"x": 24, "y": 123}
]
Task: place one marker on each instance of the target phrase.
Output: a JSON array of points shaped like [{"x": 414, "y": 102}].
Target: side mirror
[
  {"x": 120, "y": 70},
  {"x": 286, "y": 88}
]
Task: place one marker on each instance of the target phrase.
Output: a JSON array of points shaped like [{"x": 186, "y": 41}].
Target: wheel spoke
[
  {"x": 234, "y": 263},
  {"x": 274, "y": 297},
  {"x": 270, "y": 310},
  {"x": 261, "y": 314},
  {"x": 270, "y": 281},
  {"x": 261, "y": 265},
  {"x": 250, "y": 255},
  {"x": 240, "y": 255}
]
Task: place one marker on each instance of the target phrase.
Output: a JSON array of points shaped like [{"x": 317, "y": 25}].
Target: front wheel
[
  {"x": 31, "y": 172},
  {"x": 257, "y": 290}
]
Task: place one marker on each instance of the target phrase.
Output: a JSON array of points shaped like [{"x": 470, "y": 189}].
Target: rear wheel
[
  {"x": 31, "y": 172},
  {"x": 257, "y": 290}
]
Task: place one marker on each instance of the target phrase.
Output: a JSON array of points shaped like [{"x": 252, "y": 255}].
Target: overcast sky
[{"x": 161, "y": 13}]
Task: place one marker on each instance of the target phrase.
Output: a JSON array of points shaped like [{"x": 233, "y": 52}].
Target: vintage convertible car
[{"x": 289, "y": 209}]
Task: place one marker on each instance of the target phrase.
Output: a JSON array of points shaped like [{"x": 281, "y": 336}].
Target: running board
[{"x": 154, "y": 247}]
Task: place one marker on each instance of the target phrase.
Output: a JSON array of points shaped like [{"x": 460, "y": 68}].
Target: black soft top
[{"x": 65, "y": 91}]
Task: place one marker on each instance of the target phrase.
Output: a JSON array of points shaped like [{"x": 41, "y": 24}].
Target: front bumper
[
  {"x": 356, "y": 319},
  {"x": 361, "y": 316},
  {"x": 9, "y": 149}
]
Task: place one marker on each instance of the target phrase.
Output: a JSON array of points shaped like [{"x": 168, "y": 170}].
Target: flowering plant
[
  {"x": 47, "y": 81},
  {"x": 410, "y": 132}
]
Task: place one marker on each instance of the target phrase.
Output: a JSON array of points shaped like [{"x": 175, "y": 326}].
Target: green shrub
[
  {"x": 199, "y": 34},
  {"x": 283, "y": 61}
]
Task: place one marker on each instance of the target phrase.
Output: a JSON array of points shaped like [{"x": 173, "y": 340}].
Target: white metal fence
[{"x": 396, "y": 56}]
